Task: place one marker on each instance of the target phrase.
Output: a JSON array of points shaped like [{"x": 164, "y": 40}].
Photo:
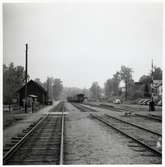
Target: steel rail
[
  {"x": 56, "y": 108},
  {"x": 138, "y": 126},
  {"x": 130, "y": 110},
  {"x": 83, "y": 108},
  {"x": 133, "y": 124},
  {"x": 126, "y": 134},
  {"x": 62, "y": 137},
  {"x": 123, "y": 109},
  {"x": 112, "y": 107},
  {"x": 149, "y": 117},
  {"x": 21, "y": 141},
  {"x": 77, "y": 106}
]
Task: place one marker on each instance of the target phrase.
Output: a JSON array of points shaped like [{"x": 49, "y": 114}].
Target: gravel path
[{"x": 88, "y": 141}]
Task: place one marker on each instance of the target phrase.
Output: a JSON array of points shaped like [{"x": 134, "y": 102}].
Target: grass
[{"x": 10, "y": 118}]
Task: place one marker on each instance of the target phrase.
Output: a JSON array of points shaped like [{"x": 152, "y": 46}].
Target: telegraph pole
[
  {"x": 126, "y": 84},
  {"x": 48, "y": 96},
  {"x": 48, "y": 86},
  {"x": 152, "y": 81},
  {"x": 151, "y": 104},
  {"x": 26, "y": 73}
]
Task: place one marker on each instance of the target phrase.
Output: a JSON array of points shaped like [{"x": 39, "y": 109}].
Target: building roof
[
  {"x": 34, "y": 96},
  {"x": 32, "y": 82}
]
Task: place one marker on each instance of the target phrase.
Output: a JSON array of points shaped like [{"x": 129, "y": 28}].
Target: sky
[{"x": 83, "y": 42}]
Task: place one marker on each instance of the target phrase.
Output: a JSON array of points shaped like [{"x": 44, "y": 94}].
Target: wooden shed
[{"x": 35, "y": 89}]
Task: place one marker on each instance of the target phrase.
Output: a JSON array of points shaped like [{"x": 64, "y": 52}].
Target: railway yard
[
  {"x": 82, "y": 83},
  {"x": 74, "y": 133}
]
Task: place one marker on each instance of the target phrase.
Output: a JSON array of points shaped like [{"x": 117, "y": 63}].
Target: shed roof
[
  {"x": 33, "y": 82},
  {"x": 33, "y": 96}
]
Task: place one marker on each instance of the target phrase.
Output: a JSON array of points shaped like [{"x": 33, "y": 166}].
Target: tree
[
  {"x": 147, "y": 90},
  {"x": 111, "y": 86},
  {"x": 126, "y": 76},
  {"x": 38, "y": 81},
  {"x": 13, "y": 79},
  {"x": 57, "y": 88},
  {"x": 49, "y": 86},
  {"x": 95, "y": 90},
  {"x": 70, "y": 91},
  {"x": 145, "y": 79},
  {"x": 116, "y": 80},
  {"x": 85, "y": 92},
  {"x": 157, "y": 73},
  {"x": 108, "y": 88}
]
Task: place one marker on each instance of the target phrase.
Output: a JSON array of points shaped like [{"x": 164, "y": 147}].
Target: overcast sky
[{"x": 83, "y": 42}]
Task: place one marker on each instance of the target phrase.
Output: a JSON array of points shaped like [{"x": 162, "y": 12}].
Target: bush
[{"x": 137, "y": 94}]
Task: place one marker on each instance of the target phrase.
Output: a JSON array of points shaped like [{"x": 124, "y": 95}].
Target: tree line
[
  {"x": 54, "y": 87},
  {"x": 132, "y": 90},
  {"x": 14, "y": 79}
]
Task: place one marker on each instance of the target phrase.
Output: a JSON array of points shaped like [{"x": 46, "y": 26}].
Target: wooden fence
[{"x": 14, "y": 107}]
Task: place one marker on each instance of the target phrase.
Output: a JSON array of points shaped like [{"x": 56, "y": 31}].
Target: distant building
[
  {"x": 122, "y": 86},
  {"x": 157, "y": 87},
  {"x": 35, "y": 91},
  {"x": 122, "y": 89}
]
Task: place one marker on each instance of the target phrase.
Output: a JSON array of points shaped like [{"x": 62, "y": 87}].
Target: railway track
[
  {"x": 133, "y": 124},
  {"x": 152, "y": 117},
  {"x": 42, "y": 145},
  {"x": 143, "y": 121},
  {"x": 113, "y": 108},
  {"x": 58, "y": 107},
  {"x": 83, "y": 108},
  {"x": 141, "y": 135}
]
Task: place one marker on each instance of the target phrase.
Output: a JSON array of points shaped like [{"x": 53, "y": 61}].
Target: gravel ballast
[{"x": 88, "y": 141}]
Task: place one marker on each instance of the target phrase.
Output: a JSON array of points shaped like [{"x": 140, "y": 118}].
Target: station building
[{"x": 35, "y": 92}]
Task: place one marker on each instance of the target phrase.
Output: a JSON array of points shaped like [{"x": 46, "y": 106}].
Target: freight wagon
[{"x": 79, "y": 98}]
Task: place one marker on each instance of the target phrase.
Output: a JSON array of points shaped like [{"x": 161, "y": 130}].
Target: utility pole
[
  {"x": 126, "y": 86},
  {"x": 48, "y": 88},
  {"x": 96, "y": 93},
  {"x": 26, "y": 73},
  {"x": 152, "y": 80},
  {"x": 151, "y": 104}
]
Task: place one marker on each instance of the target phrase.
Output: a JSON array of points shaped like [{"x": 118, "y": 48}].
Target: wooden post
[
  {"x": 26, "y": 69},
  {"x": 126, "y": 87},
  {"x": 9, "y": 108},
  {"x": 151, "y": 104}
]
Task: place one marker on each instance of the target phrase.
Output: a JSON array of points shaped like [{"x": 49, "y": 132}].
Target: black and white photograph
[{"x": 82, "y": 83}]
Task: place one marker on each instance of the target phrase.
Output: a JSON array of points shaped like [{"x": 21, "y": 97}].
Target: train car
[{"x": 79, "y": 98}]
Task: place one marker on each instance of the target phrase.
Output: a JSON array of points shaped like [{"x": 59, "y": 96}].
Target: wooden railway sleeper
[{"x": 122, "y": 132}]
